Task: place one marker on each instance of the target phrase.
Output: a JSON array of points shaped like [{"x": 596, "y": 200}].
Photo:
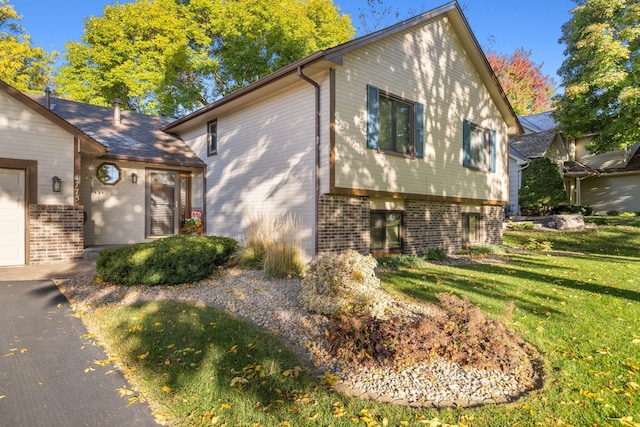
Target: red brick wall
[
  {"x": 56, "y": 233},
  {"x": 431, "y": 225},
  {"x": 344, "y": 224}
]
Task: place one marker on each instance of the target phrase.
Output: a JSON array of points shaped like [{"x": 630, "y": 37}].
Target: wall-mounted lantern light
[
  {"x": 134, "y": 178},
  {"x": 56, "y": 184}
]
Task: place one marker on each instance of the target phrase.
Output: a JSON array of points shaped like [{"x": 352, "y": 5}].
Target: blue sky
[{"x": 502, "y": 25}]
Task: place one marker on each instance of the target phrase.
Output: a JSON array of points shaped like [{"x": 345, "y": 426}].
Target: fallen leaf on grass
[
  {"x": 293, "y": 372},
  {"x": 143, "y": 356}
]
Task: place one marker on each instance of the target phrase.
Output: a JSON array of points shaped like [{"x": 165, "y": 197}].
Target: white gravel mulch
[{"x": 274, "y": 305}]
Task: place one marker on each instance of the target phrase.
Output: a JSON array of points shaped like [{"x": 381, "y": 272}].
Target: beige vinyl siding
[
  {"x": 116, "y": 214},
  {"x": 612, "y": 193},
  {"x": 265, "y": 163},
  {"x": 27, "y": 135},
  {"x": 426, "y": 64}
]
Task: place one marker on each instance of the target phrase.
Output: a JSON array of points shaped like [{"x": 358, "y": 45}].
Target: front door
[{"x": 162, "y": 219}]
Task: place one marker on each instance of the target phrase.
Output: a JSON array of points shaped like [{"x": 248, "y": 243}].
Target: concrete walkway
[{"x": 47, "y": 372}]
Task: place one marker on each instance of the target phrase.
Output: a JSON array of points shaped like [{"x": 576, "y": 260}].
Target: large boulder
[{"x": 569, "y": 222}]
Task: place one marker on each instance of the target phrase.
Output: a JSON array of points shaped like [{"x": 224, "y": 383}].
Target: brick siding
[
  {"x": 492, "y": 218},
  {"x": 430, "y": 225},
  {"x": 344, "y": 224},
  {"x": 56, "y": 233}
]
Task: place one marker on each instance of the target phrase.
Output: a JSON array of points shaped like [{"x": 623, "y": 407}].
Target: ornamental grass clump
[
  {"x": 274, "y": 244},
  {"x": 344, "y": 284}
]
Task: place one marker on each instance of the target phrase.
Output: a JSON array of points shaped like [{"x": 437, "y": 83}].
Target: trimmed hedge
[{"x": 170, "y": 261}]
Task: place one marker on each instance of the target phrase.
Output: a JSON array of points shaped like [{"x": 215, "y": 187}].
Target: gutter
[{"x": 317, "y": 153}]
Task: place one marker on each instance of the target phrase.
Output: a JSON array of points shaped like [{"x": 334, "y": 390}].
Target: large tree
[
  {"x": 25, "y": 67},
  {"x": 171, "y": 56},
  {"x": 601, "y": 73},
  {"x": 527, "y": 89}
]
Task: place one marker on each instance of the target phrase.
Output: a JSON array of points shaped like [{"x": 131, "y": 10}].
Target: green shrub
[
  {"x": 627, "y": 214},
  {"x": 613, "y": 213},
  {"x": 274, "y": 244},
  {"x": 395, "y": 262},
  {"x": 169, "y": 261},
  {"x": 436, "y": 254},
  {"x": 542, "y": 188},
  {"x": 597, "y": 220},
  {"x": 535, "y": 245},
  {"x": 521, "y": 226},
  {"x": 343, "y": 284}
]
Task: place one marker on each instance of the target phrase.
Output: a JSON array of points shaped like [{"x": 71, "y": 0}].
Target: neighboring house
[
  {"x": 541, "y": 139},
  {"x": 393, "y": 142},
  {"x": 605, "y": 182},
  {"x": 75, "y": 175},
  {"x": 538, "y": 122}
]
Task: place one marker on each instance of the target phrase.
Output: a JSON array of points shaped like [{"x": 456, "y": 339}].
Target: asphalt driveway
[{"x": 48, "y": 374}]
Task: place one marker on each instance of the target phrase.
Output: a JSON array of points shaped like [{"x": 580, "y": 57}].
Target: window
[
  {"x": 386, "y": 231},
  {"x": 108, "y": 173},
  {"x": 394, "y": 125},
  {"x": 479, "y": 146},
  {"x": 470, "y": 228},
  {"x": 212, "y": 138}
]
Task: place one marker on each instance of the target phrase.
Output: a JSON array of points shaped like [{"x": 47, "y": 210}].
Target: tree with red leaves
[{"x": 528, "y": 90}]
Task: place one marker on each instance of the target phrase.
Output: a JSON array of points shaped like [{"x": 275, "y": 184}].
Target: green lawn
[{"x": 579, "y": 307}]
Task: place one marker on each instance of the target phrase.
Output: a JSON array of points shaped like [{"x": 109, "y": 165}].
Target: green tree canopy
[
  {"x": 172, "y": 56},
  {"x": 542, "y": 188},
  {"x": 601, "y": 73},
  {"x": 25, "y": 67}
]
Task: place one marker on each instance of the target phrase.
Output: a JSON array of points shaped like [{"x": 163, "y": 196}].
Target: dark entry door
[{"x": 162, "y": 203}]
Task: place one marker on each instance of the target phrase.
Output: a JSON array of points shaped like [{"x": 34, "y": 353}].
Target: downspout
[{"x": 317, "y": 155}]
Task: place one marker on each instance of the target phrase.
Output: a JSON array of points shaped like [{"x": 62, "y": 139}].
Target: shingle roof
[
  {"x": 633, "y": 165},
  {"x": 137, "y": 138},
  {"x": 539, "y": 122},
  {"x": 533, "y": 144}
]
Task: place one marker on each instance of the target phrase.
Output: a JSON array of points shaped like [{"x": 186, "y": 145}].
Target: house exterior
[
  {"x": 74, "y": 175},
  {"x": 393, "y": 142},
  {"x": 522, "y": 149},
  {"x": 605, "y": 182}
]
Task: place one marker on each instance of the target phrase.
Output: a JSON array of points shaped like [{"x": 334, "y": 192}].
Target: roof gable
[
  {"x": 94, "y": 146},
  {"x": 533, "y": 144},
  {"x": 333, "y": 57}
]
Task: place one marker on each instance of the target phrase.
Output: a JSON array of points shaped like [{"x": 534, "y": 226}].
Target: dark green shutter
[
  {"x": 419, "y": 134},
  {"x": 466, "y": 143},
  {"x": 373, "y": 117},
  {"x": 493, "y": 150}
]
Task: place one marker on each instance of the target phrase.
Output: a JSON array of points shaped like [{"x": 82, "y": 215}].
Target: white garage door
[{"x": 12, "y": 216}]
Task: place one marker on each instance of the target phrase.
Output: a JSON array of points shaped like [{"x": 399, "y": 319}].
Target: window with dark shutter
[
  {"x": 479, "y": 147},
  {"x": 394, "y": 125}
]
